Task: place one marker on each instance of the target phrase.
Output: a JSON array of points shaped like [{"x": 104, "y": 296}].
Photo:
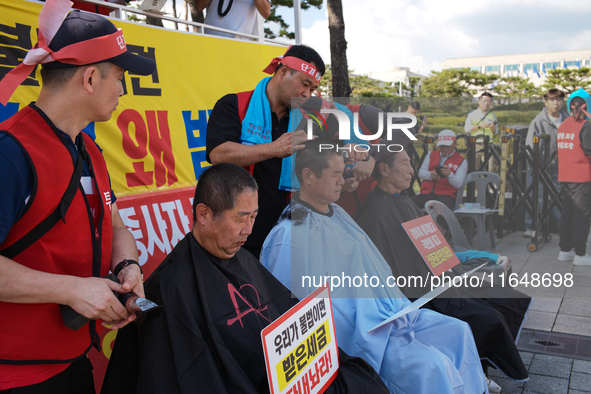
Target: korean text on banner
[
  {"x": 300, "y": 347},
  {"x": 431, "y": 244},
  {"x": 155, "y": 139}
]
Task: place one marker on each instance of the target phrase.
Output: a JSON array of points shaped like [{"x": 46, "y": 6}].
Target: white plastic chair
[
  {"x": 482, "y": 179},
  {"x": 436, "y": 209}
]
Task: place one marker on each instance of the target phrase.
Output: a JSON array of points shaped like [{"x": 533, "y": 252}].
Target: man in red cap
[
  {"x": 60, "y": 230},
  {"x": 443, "y": 172}
]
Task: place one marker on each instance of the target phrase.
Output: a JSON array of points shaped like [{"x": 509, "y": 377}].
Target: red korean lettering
[{"x": 153, "y": 136}]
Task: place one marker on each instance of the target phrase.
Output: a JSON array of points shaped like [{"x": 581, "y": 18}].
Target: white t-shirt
[
  {"x": 556, "y": 121},
  {"x": 241, "y": 17}
]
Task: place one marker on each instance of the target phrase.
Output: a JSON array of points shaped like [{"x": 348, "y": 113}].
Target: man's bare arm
[
  {"x": 202, "y": 4},
  {"x": 124, "y": 247},
  {"x": 245, "y": 155},
  {"x": 91, "y": 297},
  {"x": 264, "y": 7}
]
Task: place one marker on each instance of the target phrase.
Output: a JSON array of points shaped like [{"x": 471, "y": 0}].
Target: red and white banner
[{"x": 431, "y": 244}]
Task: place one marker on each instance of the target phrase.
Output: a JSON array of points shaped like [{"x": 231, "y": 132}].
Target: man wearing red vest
[
  {"x": 443, "y": 172},
  {"x": 226, "y": 140},
  {"x": 573, "y": 141},
  {"x": 45, "y": 161}
]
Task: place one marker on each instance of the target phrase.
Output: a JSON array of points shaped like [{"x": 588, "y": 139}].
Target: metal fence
[{"x": 511, "y": 160}]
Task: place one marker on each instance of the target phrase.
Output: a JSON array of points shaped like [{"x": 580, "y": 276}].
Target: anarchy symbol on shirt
[{"x": 239, "y": 315}]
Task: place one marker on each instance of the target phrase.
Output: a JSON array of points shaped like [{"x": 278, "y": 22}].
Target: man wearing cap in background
[
  {"x": 443, "y": 172},
  {"x": 60, "y": 229},
  {"x": 253, "y": 129}
]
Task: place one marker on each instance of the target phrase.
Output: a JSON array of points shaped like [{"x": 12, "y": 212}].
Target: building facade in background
[
  {"x": 533, "y": 66},
  {"x": 399, "y": 76}
]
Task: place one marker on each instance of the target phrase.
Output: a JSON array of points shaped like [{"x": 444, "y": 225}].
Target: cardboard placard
[
  {"x": 300, "y": 347},
  {"x": 431, "y": 244}
]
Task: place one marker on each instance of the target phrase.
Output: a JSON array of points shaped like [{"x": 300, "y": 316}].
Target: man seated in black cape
[
  {"x": 495, "y": 317},
  {"x": 217, "y": 298}
]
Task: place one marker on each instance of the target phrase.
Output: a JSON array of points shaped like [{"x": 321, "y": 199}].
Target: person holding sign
[
  {"x": 495, "y": 322},
  {"x": 316, "y": 241},
  {"x": 60, "y": 229},
  {"x": 217, "y": 299}
]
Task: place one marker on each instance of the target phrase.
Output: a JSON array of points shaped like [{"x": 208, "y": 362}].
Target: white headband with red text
[{"x": 295, "y": 64}]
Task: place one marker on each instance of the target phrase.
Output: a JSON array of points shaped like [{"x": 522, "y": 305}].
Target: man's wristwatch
[
  {"x": 478, "y": 127},
  {"x": 124, "y": 264}
]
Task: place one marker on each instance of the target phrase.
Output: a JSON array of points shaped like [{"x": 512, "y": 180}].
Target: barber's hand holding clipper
[{"x": 126, "y": 305}]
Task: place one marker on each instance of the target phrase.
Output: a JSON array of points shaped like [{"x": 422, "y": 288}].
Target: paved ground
[{"x": 563, "y": 310}]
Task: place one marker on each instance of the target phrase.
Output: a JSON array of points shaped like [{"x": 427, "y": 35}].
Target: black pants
[
  {"x": 576, "y": 217},
  {"x": 421, "y": 199},
  {"x": 76, "y": 379}
]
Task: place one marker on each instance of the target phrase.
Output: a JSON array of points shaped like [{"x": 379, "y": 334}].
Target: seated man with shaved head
[{"x": 217, "y": 298}]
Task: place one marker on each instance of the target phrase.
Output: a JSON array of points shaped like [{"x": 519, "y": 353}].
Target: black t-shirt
[{"x": 224, "y": 125}]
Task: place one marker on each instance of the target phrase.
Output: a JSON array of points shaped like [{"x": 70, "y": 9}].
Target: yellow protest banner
[{"x": 155, "y": 139}]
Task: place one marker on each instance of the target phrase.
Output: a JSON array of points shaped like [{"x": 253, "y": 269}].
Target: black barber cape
[
  {"x": 208, "y": 338},
  {"x": 495, "y": 321}
]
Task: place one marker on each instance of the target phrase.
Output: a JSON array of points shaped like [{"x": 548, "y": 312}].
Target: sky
[{"x": 421, "y": 34}]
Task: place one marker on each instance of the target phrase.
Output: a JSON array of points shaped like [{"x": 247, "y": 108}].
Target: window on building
[
  {"x": 476, "y": 68},
  {"x": 489, "y": 69},
  {"x": 572, "y": 63},
  {"x": 512, "y": 67},
  {"x": 552, "y": 65},
  {"x": 530, "y": 66},
  {"x": 587, "y": 62}
]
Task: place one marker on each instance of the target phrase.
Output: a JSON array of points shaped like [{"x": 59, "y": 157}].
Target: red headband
[
  {"x": 295, "y": 64},
  {"x": 81, "y": 53},
  {"x": 581, "y": 108}
]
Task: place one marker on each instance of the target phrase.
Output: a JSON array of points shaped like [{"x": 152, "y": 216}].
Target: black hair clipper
[{"x": 143, "y": 309}]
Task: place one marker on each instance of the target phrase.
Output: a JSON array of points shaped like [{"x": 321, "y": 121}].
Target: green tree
[
  {"x": 515, "y": 87},
  {"x": 465, "y": 83},
  {"x": 363, "y": 86},
  {"x": 325, "y": 84},
  {"x": 275, "y": 19},
  {"x": 444, "y": 83},
  {"x": 568, "y": 80},
  {"x": 413, "y": 81}
]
